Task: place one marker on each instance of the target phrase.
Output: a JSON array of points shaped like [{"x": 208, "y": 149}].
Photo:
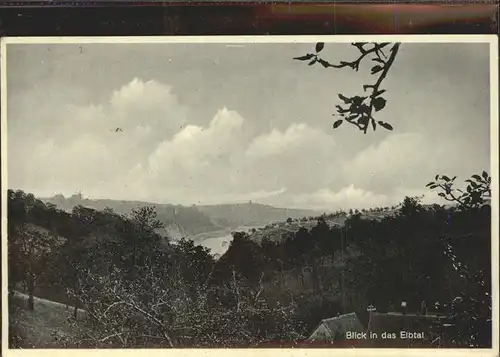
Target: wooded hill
[
  {"x": 182, "y": 221},
  {"x": 138, "y": 289}
]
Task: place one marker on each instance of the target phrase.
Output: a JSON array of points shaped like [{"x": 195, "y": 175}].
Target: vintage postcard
[{"x": 305, "y": 194}]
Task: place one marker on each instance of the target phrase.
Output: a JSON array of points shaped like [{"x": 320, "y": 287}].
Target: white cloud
[
  {"x": 220, "y": 162},
  {"x": 301, "y": 158},
  {"x": 297, "y": 138},
  {"x": 73, "y": 147},
  {"x": 160, "y": 156},
  {"x": 354, "y": 197},
  {"x": 140, "y": 104},
  {"x": 238, "y": 197},
  {"x": 405, "y": 161},
  {"x": 347, "y": 197},
  {"x": 198, "y": 157},
  {"x": 390, "y": 163}
]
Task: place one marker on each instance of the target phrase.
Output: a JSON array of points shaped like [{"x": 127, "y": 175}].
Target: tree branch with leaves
[
  {"x": 359, "y": 110},
  {"x": 471, "y": 310},
  {"x": 478, "y": 188}
]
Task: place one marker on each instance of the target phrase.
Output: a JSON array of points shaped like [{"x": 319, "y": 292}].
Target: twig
[
  {"x": 111, "y": 336},
  {"x": 261, "y": 288},
  {"x": 383, "y": 75},
  {"x": 360, "y": 114},
  {"x": 237, "y": 292},
  {"x": 154, "y": 319},
  {"x": 110, "y": 306}
]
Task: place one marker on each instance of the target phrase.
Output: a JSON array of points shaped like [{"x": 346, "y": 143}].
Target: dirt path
[
  {"x": 46, "y": 326},
  {"x": 37, "y": 300}
]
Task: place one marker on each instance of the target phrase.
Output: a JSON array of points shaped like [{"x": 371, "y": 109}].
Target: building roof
[
  {"x": 343, "y": 323},
  {"x": 339, "y": 325}
]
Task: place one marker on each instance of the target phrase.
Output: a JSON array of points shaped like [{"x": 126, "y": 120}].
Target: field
[{"x": 48, "y": 326}]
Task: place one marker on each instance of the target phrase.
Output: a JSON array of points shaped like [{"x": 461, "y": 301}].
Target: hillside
[
  {"x": 277, "y": 230},
  {"x": 303, "y": 270},
  {"x": 182, "y": 221},
  {"x": 178, "y": 220},
  {"x": 48, "y": 326},
  {"x": 251, "y": 214}
]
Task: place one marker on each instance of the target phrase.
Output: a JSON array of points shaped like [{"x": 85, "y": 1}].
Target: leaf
[
  {"x": 485, "y": 175},
  {"x": 341, "y": 110},
  {"x": 477, "y": 177},
  {"x": 441, "y": 194},
  {"x": 379, "y": 103},
  {"x": 324, "y": 63},
  {"x": 446, "y": 178},
  {"x": 337, "y": 123},
  {"x": 359, "y": 45},
  {"x": 376, "y": 69},
  {"x": 357, "y": 100},
  {"x": 363, "y": 120},
  {"x": 436, "y": 178},
  {"x": 305, "y": 57},
  {"x": 378, "y": 60},
  {"x": 433, "y": 187},
  {"x": 345, "y": 99},
  {"x": 313, "y": 62},
  {"x": 429, "y": 184},
  {"x": 385, "y": 125},
  {"x": 352, "y": 117},
  {"x": 319, "y": 46},
  {"x": 377, "y": 93}
]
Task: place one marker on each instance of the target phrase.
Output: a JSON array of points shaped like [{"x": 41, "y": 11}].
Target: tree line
[{"x": 138, "y": 288}]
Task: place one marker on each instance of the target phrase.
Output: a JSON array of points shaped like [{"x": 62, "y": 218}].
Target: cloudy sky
[{"x": 210, "y": 123}]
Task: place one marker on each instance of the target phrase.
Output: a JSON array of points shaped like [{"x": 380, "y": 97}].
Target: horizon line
[{"x": 248, "y": 202}]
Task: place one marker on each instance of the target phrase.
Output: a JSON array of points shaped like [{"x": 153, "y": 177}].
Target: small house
[{"x": 336, "y": 328}]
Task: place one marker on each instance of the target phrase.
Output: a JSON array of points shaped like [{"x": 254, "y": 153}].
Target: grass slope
[{"x": 48, "y": 326}]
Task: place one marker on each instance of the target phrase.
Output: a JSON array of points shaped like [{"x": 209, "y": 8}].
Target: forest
[{"x": 139, "y": 289}]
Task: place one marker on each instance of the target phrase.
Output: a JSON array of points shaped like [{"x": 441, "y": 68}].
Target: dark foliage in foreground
[{"x": 139, "y": 289}]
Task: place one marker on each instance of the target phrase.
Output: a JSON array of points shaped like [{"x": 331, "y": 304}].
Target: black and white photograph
[{"x": 250, "y": 192}]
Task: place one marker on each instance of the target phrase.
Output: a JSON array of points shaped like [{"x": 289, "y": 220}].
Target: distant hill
[
  {"x": 182, "y": 221},
  {"x": 178, "y": 220},
  {"x": 251, "y": 214},
  {"x": 278, "y": 229}
]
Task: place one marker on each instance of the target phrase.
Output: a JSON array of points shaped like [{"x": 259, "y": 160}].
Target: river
[{"x": 218, "y": 241}]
